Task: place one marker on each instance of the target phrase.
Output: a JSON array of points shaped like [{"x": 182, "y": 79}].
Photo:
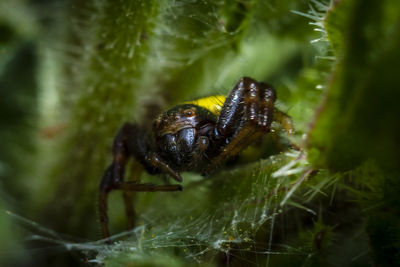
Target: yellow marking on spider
[{"x": 212, "y": 103}]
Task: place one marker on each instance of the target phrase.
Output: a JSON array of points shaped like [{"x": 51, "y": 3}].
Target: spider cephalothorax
[
  {"x": 195, "y": 136},
  {"x": 181, "y": 135}
]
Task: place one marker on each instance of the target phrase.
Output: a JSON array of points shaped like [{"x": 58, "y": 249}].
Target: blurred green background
[{"x": 72, "y": 72}]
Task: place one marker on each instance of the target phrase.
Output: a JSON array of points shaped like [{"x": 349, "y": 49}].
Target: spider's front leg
[
  {"x": 245, "y": 117},
  {"x": 131, "y": 141}
]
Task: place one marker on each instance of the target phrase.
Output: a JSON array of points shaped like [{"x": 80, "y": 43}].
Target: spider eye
[{"x": 188, "y": 113}]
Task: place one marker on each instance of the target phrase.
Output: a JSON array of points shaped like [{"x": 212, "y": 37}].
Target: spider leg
[
  {"x": 232, "y": 108},
  {"x": 129, "y": 209},
  {"x": 135, "y": 171},
  {"x": 243, "y": 139},
  {"x": 285, "y": 120},
  {"x": 246, "y": 116},
  {"x": 131, "y": 140},
  {"x": 128, "y": 187},
  {"x": 148, "y": 187}
]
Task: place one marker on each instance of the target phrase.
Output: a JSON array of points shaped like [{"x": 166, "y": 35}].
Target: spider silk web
[{"x": 229, "y": 216}]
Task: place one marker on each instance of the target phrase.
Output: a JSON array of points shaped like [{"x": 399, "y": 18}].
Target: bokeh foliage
[{"x": 71, "y": 72}]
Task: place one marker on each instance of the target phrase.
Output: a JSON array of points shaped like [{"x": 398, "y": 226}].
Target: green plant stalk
[
  {"x": 111, "y": 81},
  {"x": 357, "y": 124}
]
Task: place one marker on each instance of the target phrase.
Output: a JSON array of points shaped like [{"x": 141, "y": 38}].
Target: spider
[{"x": 197, "y": 136}]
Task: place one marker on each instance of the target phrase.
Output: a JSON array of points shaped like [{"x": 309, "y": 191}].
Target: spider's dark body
[
  {"x": 182, "y": 136},
  {"x": 196, "y": 136}
]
